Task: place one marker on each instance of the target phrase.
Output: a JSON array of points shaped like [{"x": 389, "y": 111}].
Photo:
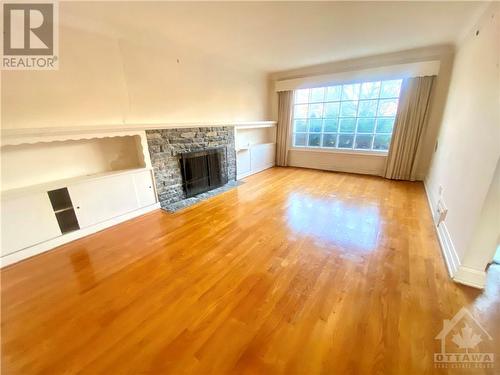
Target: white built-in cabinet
[
  {"x": 27, "y": 220},
  {"x": 255, "y": 148},
  {"x": 144, "y": 188},
  {"x": 30, "y": 218},
  {"x": 100, "y": 180},
  {"x": 100, "y": 199}
]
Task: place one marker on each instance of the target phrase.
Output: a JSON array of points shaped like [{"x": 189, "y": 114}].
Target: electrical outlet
[{"x": 441, "y": 212}]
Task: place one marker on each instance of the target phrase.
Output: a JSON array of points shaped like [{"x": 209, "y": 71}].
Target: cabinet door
[
  {"x": 102, "y": 199},
  {"x": 243, "y": 162},
  {"x": 144, "y": 189},
  {"x": 269, "y": 151},
  {"x": 262, "y": 157},
  {"x": 26, "y": 221}
]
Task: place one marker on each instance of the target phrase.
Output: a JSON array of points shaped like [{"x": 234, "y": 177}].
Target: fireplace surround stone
[{"x": 165, "y": 146}]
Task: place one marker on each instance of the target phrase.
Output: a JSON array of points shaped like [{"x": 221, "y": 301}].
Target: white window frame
[{"x": 336, "y": 149}]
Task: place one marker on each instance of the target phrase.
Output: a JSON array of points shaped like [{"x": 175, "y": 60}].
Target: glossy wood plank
[{"x": 294, "y": 272}]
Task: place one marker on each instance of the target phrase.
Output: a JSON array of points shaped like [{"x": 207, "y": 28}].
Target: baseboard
[
  {"x": 246, "y": 174},
  {"x": 459, "y": 273},
  {"x": 450, "y": 255},
  {"x": 470, "y": 277},
  {"x": 358, "y": 170},
  {"x": 61, "y": 240},
  {"x": 243, "y": 175}
]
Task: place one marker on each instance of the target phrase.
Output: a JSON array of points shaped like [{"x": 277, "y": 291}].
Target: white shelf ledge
[
  {"x": 249, "y": 146},
  {"x": 263, "y": 144},
  {"x": 257, "y": 125},
  {"x": 58, "y": 184}
]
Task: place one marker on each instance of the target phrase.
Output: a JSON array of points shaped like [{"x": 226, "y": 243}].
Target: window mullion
[
  {"x": 376, "y": 116},
  {"x": 321, "y": 121},
  {"x": 356, "y": 127}
]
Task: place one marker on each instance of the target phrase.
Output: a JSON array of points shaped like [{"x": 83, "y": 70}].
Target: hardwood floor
[{"x": 294, "y": 272}]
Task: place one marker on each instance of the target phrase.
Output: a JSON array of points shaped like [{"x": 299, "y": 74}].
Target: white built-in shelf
[
  {"x": 255, "y": 147},
  {"x": 72, "y": 183},
  {"x": 43, "y": 162}
]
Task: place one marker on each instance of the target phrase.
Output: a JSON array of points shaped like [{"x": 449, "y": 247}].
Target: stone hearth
[{"x": 165, "y": 145}]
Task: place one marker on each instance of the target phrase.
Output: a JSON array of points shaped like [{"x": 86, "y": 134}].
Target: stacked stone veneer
[{"x": 166, "y": 145}]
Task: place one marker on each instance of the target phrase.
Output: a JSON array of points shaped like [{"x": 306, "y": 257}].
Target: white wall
[
  {"x": 486, "y": 235},
  {"x": 469, "y": 139},
  {"x": 124, "y": 76},
  {"x": 375, "y": 164},
  {"x": 338, "y": 161}
]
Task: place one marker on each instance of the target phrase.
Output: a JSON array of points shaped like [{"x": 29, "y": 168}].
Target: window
[{"x": 357, "y": 116}]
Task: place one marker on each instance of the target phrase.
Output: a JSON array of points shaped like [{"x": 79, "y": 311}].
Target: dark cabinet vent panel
[{"x": 63, "y": 209}]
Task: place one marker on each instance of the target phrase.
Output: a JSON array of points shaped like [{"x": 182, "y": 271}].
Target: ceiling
[{"x": 276, "y": 36}]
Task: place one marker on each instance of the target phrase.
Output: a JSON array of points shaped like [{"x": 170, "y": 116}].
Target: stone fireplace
[{"x": 166, "y": 147}]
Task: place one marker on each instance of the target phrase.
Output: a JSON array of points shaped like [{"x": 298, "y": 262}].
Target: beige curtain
[
  {"x": 410, "y": 125},
  {"x": 285, "y": 105}
]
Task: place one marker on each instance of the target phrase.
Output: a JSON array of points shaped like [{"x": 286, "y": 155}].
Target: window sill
[{"x": 340, "y": 151}]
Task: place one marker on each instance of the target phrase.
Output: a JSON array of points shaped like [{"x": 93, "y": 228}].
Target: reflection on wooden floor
[{"x": 294, "y": 272}]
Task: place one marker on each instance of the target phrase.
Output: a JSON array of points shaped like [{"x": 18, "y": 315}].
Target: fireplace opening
[{"x": 203, "y": 170}]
